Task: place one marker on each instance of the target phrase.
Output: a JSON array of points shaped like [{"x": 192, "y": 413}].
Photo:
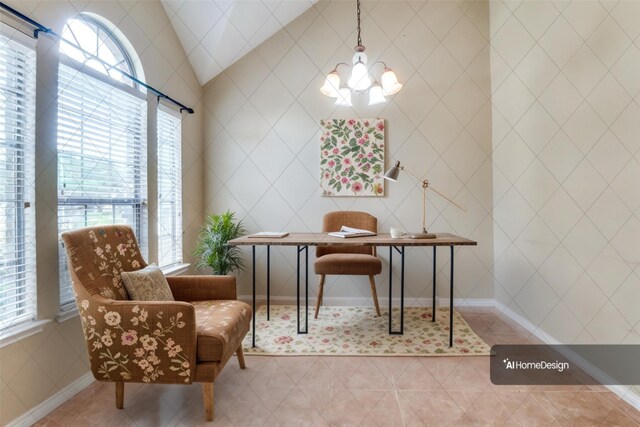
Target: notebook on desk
[
  {"x": 348, "y": 232},
  {"x": 272, "y": 234}
]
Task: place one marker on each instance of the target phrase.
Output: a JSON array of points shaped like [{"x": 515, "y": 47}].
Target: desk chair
[{"x": 351, "y": 260}]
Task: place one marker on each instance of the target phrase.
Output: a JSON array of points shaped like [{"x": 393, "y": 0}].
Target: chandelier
[{"x": 360, "y": 80}]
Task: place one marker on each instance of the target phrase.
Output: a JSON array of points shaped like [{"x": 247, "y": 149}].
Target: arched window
[
  {"x": 91, "y": 43},
  {"x": 102, "y": 140}
]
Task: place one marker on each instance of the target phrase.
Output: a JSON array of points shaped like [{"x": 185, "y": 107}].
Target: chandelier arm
[{"x": 340, "y": 63}]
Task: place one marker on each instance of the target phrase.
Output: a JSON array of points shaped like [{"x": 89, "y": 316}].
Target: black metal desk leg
[
  {"x": 401, "y": 252},
  {"x": 390, "y": 287},
  {"x": 268, "y": 281},
  {"x": 433, "y": 301},
  {"x": 298, "y": 288},
  {"x": 253, "y": 323},
  {"x": 306, "y": 289},
  {"x": 451, "y": 303},
  {"x": 402, "y": 294}
]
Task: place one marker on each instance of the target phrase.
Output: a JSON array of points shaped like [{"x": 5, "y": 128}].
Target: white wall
[
  {"x": 37, "y": 367},
  {"x": 566, "y": 121},
  {"x": 262, "y": 140}
]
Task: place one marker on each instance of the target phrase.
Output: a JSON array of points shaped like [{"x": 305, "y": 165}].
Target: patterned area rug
[{"x": 355, "y": 331}]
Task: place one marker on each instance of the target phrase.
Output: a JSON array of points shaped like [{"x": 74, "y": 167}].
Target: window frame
[
  {"x": 178, "y": 228},
  {"x": 24, "y": 199},
  {"x": 139, "y": 204}
]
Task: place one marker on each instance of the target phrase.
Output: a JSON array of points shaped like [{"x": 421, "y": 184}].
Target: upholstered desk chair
[
  {"x": 349, "y": 260},
  {"x": 169, "y": 342}
]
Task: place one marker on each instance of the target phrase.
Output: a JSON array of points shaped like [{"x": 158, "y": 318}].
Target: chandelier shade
[{"x": 359, "y": 78}]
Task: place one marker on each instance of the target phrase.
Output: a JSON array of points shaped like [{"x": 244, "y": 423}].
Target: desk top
[{"x": 322, "y": 239}]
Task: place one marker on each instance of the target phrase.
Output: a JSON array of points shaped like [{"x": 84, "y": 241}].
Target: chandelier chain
[{"x": 358, "y": 13}]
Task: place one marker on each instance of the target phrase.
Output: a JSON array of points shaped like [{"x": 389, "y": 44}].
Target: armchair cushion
[
  {"x": 202, "y": 288},
  {"x": 147, "y": 284},
  {"x": 344, "y": 263},
  {"x": 220, "y": 328}
]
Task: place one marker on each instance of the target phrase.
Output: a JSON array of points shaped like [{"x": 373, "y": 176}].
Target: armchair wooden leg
[
  {"x": 319, "y": 298},
  {"x": 119, "y": 394},
  {"x": 374, "y": 294},
  {"x": 207, "y": 397},
  {"x": 240, "y": 355}
]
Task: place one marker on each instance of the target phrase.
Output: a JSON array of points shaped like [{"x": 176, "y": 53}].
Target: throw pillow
[{"x": 147, "y": 284}]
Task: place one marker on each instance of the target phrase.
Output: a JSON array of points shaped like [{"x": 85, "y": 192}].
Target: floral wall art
[{"x": 352, "y": 157}]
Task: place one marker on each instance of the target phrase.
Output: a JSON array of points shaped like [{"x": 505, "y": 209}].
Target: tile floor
[{"x": 368, "y": 391}]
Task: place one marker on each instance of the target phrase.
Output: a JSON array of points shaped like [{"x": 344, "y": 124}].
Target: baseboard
[
  {"x": 366, "y": 301},
  {"x": 43, "y": 409},
  {"x": 622, "y": 391}
]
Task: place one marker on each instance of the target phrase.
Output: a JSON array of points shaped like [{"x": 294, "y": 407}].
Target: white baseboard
[
  {"x": 622, "y": 391},
  {"x": 366, "y": 301},
  {"x": 43, "y": 409}
]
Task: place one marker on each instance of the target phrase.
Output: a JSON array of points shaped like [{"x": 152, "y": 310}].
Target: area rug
[{"x": 355, "y": 331}]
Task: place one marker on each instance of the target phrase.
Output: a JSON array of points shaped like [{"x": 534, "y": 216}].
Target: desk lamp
[{"x": 392, "y": 175}]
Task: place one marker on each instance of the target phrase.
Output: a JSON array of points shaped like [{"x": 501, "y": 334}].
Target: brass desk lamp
[{"x": 392, "y": 175}]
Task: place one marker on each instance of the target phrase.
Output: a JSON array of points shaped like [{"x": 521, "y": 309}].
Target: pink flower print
[
  {"x": 329, "y": 328},
  {"x": 361, "y": 141},
  {"x": 336, "y": 150},
  {"x": 360, "y": 156},
  {"x": 285, "y": 339},
  {"x": 366, "y": 136},
  {"x": 129, "y": 338},
  {"x": 380, "y": 126},
  {"x": 326, "y": 340},
  {"x": 326, "y": 152},
  {"x": 346, "y": 161},
  {"x": 327, "y": 175},
  {"x": 343, "y": 142},
  {"x": 285, "y": 317},
  {"x": 370, "y": 155},
  {"x": 352, "y": 122},
  {"x": 344, "y": 180},
  {"x": 366, "y": 123},
  {"x": 322, "y": 139},
  {"x": 139, "y": 352},
  {"x": 357, "y": 187},
  {"x": 374, "y": 344},
  {"x": 331, "y": 163}
]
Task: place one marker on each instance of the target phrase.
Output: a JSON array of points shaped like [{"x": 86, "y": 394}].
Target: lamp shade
[
  {"x": 390, "y": 84},
  {"x": 359, "y": 79},
  {"x": 375, "y": 94},
  {"x": 392, "y": 174},
  {"x": 331, "y": 85},
  {"x": 344, "y": 97}
]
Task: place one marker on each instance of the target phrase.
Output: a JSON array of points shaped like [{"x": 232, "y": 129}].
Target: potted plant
[{"x": 212, "y": 247}]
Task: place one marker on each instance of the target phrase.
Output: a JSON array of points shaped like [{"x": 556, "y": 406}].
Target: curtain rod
[{"x": 41, "y": 28}]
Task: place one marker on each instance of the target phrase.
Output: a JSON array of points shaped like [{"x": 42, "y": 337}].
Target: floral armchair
[{"x": 170, "y": 342}]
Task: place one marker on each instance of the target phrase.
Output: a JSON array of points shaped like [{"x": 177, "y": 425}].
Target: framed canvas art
[{"x": 352, "y": 157}]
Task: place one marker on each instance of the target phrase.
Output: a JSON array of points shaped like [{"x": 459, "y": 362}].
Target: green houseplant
[{"x": 212, "y": 247}]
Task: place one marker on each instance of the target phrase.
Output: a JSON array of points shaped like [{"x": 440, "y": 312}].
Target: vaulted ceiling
[{"x": 216, "y": 33}]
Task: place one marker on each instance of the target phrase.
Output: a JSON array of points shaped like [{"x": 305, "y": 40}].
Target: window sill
[
  {"x": 175, "y": 270},
  {"x": 65, "y": 315},
  {"x": 19, "y": 332}
]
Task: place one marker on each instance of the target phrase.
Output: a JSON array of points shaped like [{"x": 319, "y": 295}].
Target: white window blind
[
  {"x": 169, "y": 188},
  {"x": 101, "y": 158},
  {"x": 17, "y": 175}
]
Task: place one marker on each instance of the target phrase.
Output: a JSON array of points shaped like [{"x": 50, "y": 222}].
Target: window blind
[
  {"x": 169, "y": 188},
  {"x": 17, "y": 175},
  {"x": 101, "y": 159}
]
